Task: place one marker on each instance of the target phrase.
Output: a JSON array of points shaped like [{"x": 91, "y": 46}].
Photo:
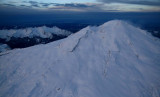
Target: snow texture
[{"x": 115, "y": 59}]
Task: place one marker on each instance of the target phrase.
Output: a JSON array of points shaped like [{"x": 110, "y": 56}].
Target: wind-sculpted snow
[{"x": 115, "y": 59}]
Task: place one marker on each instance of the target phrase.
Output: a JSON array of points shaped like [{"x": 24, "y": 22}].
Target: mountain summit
[{"x": 115, "y": 59}]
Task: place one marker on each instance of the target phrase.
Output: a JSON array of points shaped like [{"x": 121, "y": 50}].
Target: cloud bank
[
  {"x": 139, "y": 2},
  {"x": 99, "y": 6}
]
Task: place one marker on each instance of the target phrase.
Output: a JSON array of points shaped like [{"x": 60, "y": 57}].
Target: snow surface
[
  {"x": 115, "y": 59},
  {"x": 43, "y": 32}
]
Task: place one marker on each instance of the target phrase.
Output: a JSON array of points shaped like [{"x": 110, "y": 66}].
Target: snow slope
[{"x": 115, "y": 59}]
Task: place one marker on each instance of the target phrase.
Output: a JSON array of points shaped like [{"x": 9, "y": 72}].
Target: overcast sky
[{"x": 82, "y": 5}]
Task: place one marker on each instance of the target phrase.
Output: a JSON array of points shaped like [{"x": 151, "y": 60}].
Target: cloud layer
[
  {"x": 139, "y": 2},
  {"x": 100, "y": 6}
]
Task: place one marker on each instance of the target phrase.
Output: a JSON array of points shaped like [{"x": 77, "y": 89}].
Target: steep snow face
[
  {"x": 115, "y": 59},
  {"x": 43, "y": 32}
]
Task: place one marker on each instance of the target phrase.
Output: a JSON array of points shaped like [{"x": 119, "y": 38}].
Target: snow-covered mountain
[
  {"x": 20, "y": 38},
  {"x": 115, "y": 59},
  {"x": 4, "y": 47},
  {"x": 43, "y": 32}
]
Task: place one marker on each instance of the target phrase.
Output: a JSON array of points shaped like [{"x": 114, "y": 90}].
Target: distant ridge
[{"x": 21, "y": 38}]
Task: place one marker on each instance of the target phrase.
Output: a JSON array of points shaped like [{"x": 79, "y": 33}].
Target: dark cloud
[
  {"x": 25, "y": 6},
  {"x": 11, "y": 10},
  {"x": 9, "y": 5},
  {"x": 90, "y": 7},
  {"x": 38, "y": 4},
  {"x": 45, "y": 4},
  {"x": 86, "y": 7},
  {"x": 145, "y": 3},
  {"x": 67, "y": 5},
  {"x": 139, "y": 2},
  {"x": 55, "y": 5},
  {"x": 76, "y": 5},
  {"x": 14, "y": 5},
  {"x": 34, "y": 4}
]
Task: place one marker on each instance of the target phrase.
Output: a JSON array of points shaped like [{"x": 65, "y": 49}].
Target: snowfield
[{"x": 115, "y": 59}]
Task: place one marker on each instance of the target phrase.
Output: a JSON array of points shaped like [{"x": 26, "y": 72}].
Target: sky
[{"x": 81, "y": 5}]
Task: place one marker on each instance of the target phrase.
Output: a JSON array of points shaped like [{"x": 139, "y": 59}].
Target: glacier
[{"x": 115, "y": 59}]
